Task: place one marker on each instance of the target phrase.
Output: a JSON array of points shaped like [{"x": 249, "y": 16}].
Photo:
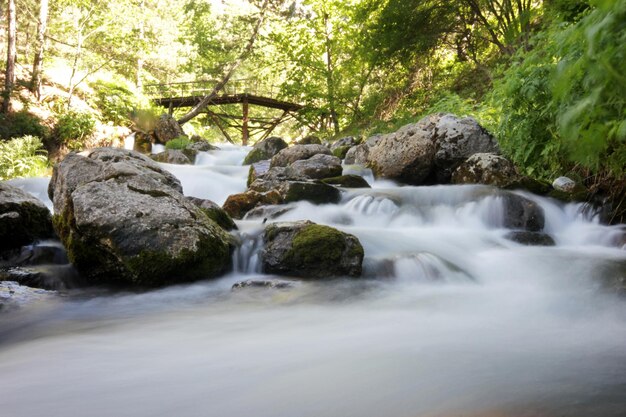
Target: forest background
[{"x": 547, "y": 78}]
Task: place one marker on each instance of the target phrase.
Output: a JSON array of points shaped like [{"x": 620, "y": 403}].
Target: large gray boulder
[
  {"x": 23, "y": 218},
  {"x": 293, "y": 186},
  {"x": 167, "y": 128},
  {"x": 486, "y": 168},
  {"x": 456, "y": 140},
  {"x": 357, "y": 155},
  {"x": 172, "y": 156},
  {"x": 297, "y": 152},
  {"x": 406, "y": 155},
  {"x": 308, "y": 250},
  {"x": 316, "y": 167},
  {"x": 265, "y": 149},
  {"x": 123, "y": 219},
  {"x": 428, "y": 151}
]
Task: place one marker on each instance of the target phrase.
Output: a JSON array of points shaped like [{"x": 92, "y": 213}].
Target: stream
[{"x": 450, "y": 319}]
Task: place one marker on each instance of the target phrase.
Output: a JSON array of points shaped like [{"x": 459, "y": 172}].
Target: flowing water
[{"x": 451, "y": 319}]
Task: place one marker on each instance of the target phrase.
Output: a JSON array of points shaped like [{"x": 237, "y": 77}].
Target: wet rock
[
  {"x": 564, "y": 184},
  {"x": 167, "y": 128},
  {"x": 567, "y": 190},
  {"x": 48, "y": 277},
  {"x": 273, "y": 284},
  {"x": 347, "y": 181},
  {"x": 456, "y": 139},
  {"x": 522, "y": 213},
  {"x": 273, "y": 178},
  {"x": 23, "y": 218},
  {"x": 316, "y": 167},
  {"x": 201, "y": 145},
  {"x": 309, "y": 140},
  {"x": 143, "y": 142},
  {"x": 357, "y": 155},
  {"x": 374, "y": 139},
  {"x": 172, "y": 156},
  {"x": 305, "y": 249},
  {"x": 258, "y": 170},
  {"x": 39, "y": 254},
  {"x": 124, "y": 220},
  {"x": 215, "y": 212},
  {"x": 14, "y": 295},
  {"x": 348, "y": 141},
  {"x": 529, "y": 184},
  {"x": 265, "y": 149},
  {"x": 406, "y": 155},
  {"x": 340, "y": 147},
  {"x": 268, "y": 212},
  {"x": 290, "y": 155},
  {"x": 292, "y": 186},
  {"x": 531, "y": 238},
  {"x": 237, "y": 205},
  {"x": 312, "y": 191},
  {"x": 341, "y": 151},
  {"x": 486, "y": 168}
]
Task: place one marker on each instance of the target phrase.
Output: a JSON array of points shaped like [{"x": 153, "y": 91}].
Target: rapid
[{"x": 451, "y": 318}]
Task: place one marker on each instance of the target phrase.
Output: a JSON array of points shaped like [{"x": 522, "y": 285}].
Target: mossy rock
[
  {"x": 341, "y": 151},
  {"x": 237, "y": 205},
  {"x": 265, "y": 149},
  {"x": 347, "y": 181},
  {"x": 309, "y": 250},
  {"x": 133, "y": 226},
  {"x": 312, "y": 191},
  {"x": 214, "y": 212}
]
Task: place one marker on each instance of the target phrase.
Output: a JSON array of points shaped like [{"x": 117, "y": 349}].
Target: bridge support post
[{"x": 245, "y": 133}]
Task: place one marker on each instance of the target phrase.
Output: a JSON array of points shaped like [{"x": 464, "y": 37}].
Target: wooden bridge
[{"x": 244, "y": 91}]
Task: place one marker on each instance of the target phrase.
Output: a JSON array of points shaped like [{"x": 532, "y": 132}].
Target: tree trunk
[
  {"x": 230, "y": 70},
  {"x": 142, "y": 35},
  {"x": 9, "y": 80},
  {"x": 330, "y": 76},
  {"x": 35, "y": 83}
]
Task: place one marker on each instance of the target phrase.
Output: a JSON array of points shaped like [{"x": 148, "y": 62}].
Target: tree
[
  {"x": 9, "y": 80},
  {"x": 230, "y": 69},
  {"x": 35, "y": 85}
]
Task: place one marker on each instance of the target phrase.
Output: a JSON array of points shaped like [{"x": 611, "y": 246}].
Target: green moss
[
  {"x": 348, "y": 181},
  {"x": 255, "y": 155},
  {"x": 341, "y": 151},
  {"x": 180, "y": 143},
  {"x": 219, "y": 216},
  {"x": 316, "y": 245}
]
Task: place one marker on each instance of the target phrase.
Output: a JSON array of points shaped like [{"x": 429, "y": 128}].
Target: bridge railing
[{"x": 201, "y": 88}]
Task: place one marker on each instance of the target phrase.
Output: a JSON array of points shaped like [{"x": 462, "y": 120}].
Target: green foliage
[
  {"x": 179, "y": 143},
  {"x": 118, "y": 103},
  {"x": 74, "y": 127},
  {"x": 19, "y": 124},
  {"x": 563, "y": 103},
  {"x": 590, "y": 87},
  {"x": 22, "y": 157}
]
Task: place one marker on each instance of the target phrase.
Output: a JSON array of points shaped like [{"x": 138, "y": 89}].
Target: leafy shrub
[
  {"x": 119, "y": 104},
  {"x": 21, "y": 124},
  {"x": 73, "y": 128},
  {"x": 22, "y": 157},
  {"x": 562, "y": 103},
  {"x": 180, "y": 142}
]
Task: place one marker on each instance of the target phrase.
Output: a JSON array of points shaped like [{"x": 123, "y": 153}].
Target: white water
[{"x": 453, "y": 319}]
